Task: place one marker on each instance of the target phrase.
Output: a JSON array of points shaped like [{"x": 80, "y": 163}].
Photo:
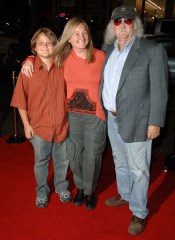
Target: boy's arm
[
  {"x": 28, "y": 130},
  {"x": 27, "y": 66}
]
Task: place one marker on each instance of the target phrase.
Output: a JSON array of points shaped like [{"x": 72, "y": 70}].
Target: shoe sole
[
  {"x": 41, "y": 206},
  {"x": 90, "y": 208},
  {"x": 135, "y": 233},
  {"x": 78, "y": 203},
  {"x": 65, "y": 201}
]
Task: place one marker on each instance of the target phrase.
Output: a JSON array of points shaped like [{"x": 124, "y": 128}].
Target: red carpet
[{"x": 21, "y": 220}]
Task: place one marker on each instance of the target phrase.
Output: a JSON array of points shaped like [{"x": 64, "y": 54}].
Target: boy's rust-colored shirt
[{"x": 43, "y": 97}]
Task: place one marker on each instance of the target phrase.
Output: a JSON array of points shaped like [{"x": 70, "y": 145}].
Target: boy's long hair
[
  {"x": 47, "y": 32},
  {"x": 63, "y": 47}
]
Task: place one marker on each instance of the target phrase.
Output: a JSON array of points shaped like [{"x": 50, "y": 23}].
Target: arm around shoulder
[{"x": 27, "y": 66}]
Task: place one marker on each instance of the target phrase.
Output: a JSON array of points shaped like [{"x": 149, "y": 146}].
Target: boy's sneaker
[
  {"x": 65, "y": 196},
  {"x": 41, "y": 201}
]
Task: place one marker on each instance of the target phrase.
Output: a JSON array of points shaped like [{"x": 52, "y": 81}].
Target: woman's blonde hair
[
  {"x": 47, "y": 32},
  {"x": 63, "y": 47},
  {"x": 109, "y": 35}
]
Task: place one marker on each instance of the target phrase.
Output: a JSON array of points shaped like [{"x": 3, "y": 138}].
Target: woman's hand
[{"x": 27, "y": 69}]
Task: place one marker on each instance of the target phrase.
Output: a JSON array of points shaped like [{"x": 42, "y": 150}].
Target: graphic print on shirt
[{"x": 80, "y": 102}]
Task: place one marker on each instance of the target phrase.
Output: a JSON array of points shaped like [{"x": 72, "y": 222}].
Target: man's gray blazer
[{"x": 143, "y": 90}]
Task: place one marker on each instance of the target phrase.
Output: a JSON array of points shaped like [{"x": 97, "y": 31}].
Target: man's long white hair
[{"x": 109, "y": 35}]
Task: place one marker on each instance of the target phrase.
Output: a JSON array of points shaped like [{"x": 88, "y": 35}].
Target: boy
[{"x": 41, "y": 102}]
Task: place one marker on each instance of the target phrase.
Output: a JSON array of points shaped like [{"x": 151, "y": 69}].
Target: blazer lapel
[
  {"x": 108, "y": 52},
  {"x": 130, "y": 61}
]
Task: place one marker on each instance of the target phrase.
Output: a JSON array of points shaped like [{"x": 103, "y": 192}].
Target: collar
[
  {"x": 38, "y": 63},
  {"x": 125, "y": 47}
]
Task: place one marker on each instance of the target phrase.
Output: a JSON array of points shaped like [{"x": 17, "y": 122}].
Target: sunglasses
[{"x": 118, "y": 21}]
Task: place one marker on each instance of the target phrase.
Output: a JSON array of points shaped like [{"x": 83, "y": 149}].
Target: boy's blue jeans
[{"x": 42, "y": 153}]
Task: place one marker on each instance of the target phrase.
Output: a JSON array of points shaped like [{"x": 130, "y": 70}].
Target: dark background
[
  {"x": 29, "y": 15},
  {"x": 21, "y": 18}
]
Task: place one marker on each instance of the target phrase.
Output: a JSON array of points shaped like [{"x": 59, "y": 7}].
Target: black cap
[{"x": 124, "y": 12}]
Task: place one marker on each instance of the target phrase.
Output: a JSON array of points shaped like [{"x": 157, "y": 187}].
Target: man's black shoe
[
  {"x": 79, "y": 197},
  {"x": 90, "y": 201}
]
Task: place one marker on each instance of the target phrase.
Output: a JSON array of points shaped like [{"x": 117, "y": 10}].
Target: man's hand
[
  {"x": 27, "y": 69},
  {"x": 153, "y": 132}
]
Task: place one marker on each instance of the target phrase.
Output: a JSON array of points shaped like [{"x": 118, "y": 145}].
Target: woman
[{"x": 82, "y": 65}]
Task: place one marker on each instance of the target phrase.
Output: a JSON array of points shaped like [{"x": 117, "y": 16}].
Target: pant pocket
[{"x": 99, "y": 138}]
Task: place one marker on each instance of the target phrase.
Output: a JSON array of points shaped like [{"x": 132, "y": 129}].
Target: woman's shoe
[
  {"x": 90, "y": 201},
  {"x": 79, "y": 197}
]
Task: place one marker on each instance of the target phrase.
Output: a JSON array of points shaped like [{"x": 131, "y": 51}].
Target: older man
[{"x": 135, "y": 96}]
